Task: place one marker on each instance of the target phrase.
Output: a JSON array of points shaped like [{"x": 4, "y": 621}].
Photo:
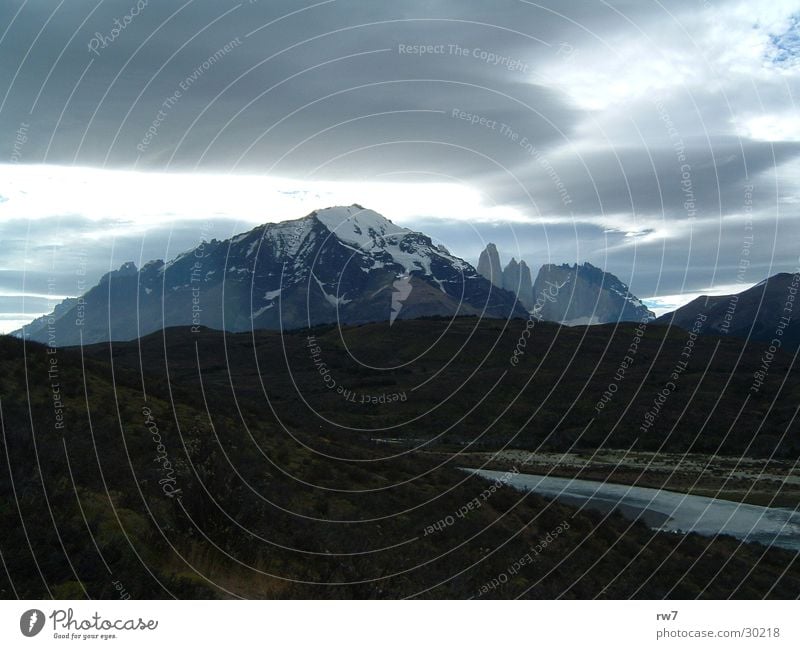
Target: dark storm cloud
[
  {"x": 95, "y": 106},
  {"x": 110, "y": 96},
  {"x": 705, "y": 180}
]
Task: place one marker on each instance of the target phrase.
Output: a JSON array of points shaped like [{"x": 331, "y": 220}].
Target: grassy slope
[{"x": 259, "y": 490}]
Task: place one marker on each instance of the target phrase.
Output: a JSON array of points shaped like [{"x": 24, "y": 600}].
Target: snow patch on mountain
[
  {"x": 333, "y": 300},
  {"x": 359, "y": 226},
  {"x": 369, "y": 232}
]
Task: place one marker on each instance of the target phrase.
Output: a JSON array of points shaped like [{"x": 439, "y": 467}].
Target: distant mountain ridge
[
  {"x": 585, "y": 294},
  {"x": 341, "y": 264},
  {"x": 351, "y": 265},
  {"x": 569, "y": 294},
  {"x": 766, "y": 312}
]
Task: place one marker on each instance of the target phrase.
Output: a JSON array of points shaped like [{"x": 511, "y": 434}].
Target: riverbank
[
  {"x": 667, "y": 511},
  {"x": 748, "y": 480}
]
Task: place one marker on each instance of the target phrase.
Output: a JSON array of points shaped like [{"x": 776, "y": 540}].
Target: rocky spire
[
  {"x": 489, "y": 265},
  {"x": 517, "y": 279},
  {"x": 525, "y": 285}
]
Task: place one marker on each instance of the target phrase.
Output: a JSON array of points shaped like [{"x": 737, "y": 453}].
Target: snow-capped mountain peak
[
  {"x": 340, "y": 264},
  {"x": 358, "y": 225},
  {"x": 373, "y": 234}
]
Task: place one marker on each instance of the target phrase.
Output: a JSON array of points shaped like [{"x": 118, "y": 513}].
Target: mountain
[
  {"x": 584, "y": 294},
  {"x": 768, "y": 311},
  {"x": 571, "y": 295},
  {"x": 341, "y": 264}
]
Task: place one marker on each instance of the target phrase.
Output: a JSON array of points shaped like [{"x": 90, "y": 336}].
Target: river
[{"x": 667, "y": 510}]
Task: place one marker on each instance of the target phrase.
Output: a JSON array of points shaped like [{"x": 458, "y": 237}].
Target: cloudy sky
[{"x": 657, "y": 140}]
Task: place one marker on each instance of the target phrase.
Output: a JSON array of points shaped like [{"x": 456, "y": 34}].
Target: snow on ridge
[
  {"x": 369, "y": 231},
  {"x": 353, "y": 225},
  {"x": 289, "y": 236}
]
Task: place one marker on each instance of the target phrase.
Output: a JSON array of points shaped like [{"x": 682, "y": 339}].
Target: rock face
[
  {"x": 757, "y": 313},
  {"x": 571, "y": 295},
  {"x": 526, "y": 280},
  {"x": 489, "y": 265},
  {"x": 584, "y": 294},
  {"x": 517, "y": 280},
  {"x": 341, "y": 264},
  {"x": 514, "y": 278}
]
